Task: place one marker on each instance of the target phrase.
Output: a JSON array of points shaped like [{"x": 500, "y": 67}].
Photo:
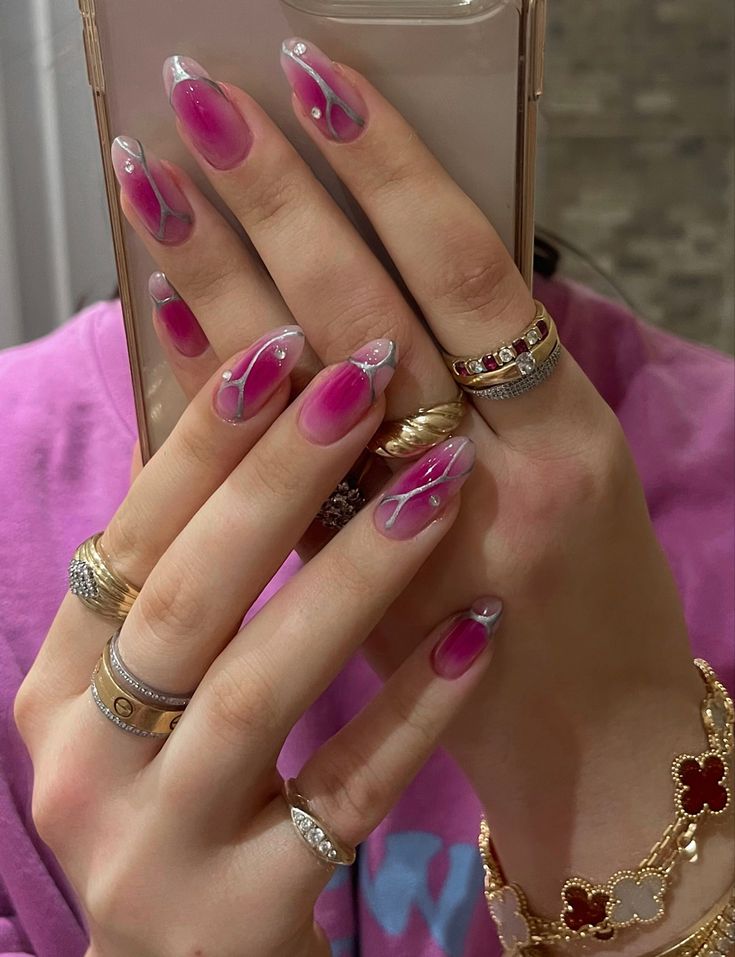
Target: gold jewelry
[
  {"x": 518, "y": 365},
  {"x": 127, "y": 709},
  {"x": 417, "y": 433},
  {"x": 634, "y": 896},
  {"x": 713, "y": 936},
  {"x": 317, "y": 837},
  {"x": 93, "y": 580}
]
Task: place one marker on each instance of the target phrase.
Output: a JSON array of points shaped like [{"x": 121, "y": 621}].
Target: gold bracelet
[
  {"x": 634, "y": 896},
  {"x": 713, "y": 935}
]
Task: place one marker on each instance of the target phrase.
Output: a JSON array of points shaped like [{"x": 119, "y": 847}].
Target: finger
[
  {"x": 231, "y": 295},
  {"x": 449, "y": 255},
  {"x": 198, "y": 593},
  {"x": 200, "y": 453},
  {"x": 330, "y": 280},
  {"x": 184, "y": 342},
  {"x": 354, "y": 779},
  {"x": 294, "y": 647}
]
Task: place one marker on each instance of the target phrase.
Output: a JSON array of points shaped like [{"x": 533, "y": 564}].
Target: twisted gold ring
[{"x": 415, "y": 434}]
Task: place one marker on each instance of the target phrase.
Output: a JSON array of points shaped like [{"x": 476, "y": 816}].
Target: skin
[{"x": 592, "y": 690}]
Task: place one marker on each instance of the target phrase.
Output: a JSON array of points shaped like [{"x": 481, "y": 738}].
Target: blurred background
[{"x": 636, "y": 171}]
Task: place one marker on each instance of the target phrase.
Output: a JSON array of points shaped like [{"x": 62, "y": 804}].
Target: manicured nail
[
  {"x": 256, "y": 374},
  {"x": 342, "y": 395},
  {"x": 151, "y": 189},
  {"x": 214, "y": 124},
  {"x": 331, "y": 101},
  {"x": 176, "y": 317},
  {"x": 420, "y": 493},
  {"x": 466, "y": 638}
]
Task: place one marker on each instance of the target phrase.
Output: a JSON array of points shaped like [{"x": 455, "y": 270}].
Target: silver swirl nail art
[
  {"x": 371, "y": 369},
  {"x": 401, "y": 499},
  {"x": 179, "y": 71},
  {"x": 126, "y": 144},
  {"x": 331, "y": 98},
  {"x": 275, "y": 344}
]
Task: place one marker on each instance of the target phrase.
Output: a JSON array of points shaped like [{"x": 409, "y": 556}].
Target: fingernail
[
  {"x": 256, "y": 374},
  {"x": 342, "y": 395},
  {"x": 214, "y": 124},
  {"x": 333, "y": 103},
  {"x": 176, "y": 317},
  {"x": 151, "y": 189},
  {"x": 420, "y": 493},
  {"x": 466, "y": 639}
]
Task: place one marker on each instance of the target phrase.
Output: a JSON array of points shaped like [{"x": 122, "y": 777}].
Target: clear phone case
[{"x": 466, "y": 74}]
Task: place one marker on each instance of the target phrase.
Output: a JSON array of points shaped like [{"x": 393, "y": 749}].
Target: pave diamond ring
[
  {"x": 317, "y": 837},
  {"x": 93, "y": 580},
  {"x": 342, "y": 505},
  {"x": 509, "y": 390}
]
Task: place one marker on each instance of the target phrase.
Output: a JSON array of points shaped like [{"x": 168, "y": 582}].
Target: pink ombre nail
[
  {"x": 214, "y": 124},
  {"x": 152, "y": 192},
  {"x": 420, "y": 493},
  {"x": 176, "y": 317},
  {"x": 466, "y": 638},
  {"x": 330, "y": 100},
  {"x": 255, "y": 375},
  {"x": 341, "y": 396}
]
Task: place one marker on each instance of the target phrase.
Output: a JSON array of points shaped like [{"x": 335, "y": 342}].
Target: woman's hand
[
  {"x": 554, "y": 520},
  {"x": 187, "y": 847}
]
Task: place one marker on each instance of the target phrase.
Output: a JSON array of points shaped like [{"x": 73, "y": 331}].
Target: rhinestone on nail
[
  {"x": 129, "y": 166},
  {"x": 279, "y": 352},
  {"x": 299, "y": 48},
  {"x": 316, "y": 113},
  {"x": 227, "y": 375},
  {"x": 434, "y": 501}
]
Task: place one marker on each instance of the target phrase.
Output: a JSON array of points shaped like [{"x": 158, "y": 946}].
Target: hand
[
  {"x": 145, "y": 829},
  {"x": 594, "y": 644}
]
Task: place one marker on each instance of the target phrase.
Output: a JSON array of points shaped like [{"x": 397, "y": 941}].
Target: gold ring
[
  {"x": 93, "y": 580},
  {"x": 536, "y": 348},
  {"x": 317, "y": 837},
  {"x": 417, "y": 433},
  {"x": 125, "y": 709}
]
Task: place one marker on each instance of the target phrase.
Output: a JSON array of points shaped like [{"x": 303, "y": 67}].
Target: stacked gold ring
[
  {"x": 125, "y": 707},
  {"x": 513, "y": 367},
  {"x": 313, "y": 832},
  {"x": 417, "y": 433},
  {"x": 93, "y": 580}
]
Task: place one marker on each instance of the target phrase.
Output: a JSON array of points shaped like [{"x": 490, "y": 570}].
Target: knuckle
[
  {"x": 171, "y": 608},
  {"x": 59, "y": 797},
  {"x": 123, "y": 542},
  {"x": 269, "y": 473},
  {"x": 386, "y": 175},
  {"x": 351, "y": 794},
  {"x": 194, "y": 447},
  {"x": 207, "y": 282},
  {"x": 241, "y": 703},
  {"x": 478, "y": 277},
  {"x": 270, "y": 200}
]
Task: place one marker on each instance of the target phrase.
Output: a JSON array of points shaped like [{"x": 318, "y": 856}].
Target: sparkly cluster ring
[
  {"x": 513, "y": 367},
  {"x": 313, "y": 832},
  {"x": 128, "y": 702},
  {"x": 95, "y": 582}
]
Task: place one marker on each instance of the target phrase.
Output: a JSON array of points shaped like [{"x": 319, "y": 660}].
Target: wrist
[{"x": 569, "y": 799}]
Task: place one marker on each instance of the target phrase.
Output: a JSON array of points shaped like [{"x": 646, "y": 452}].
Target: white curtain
[{"x": 55, "y": 250}]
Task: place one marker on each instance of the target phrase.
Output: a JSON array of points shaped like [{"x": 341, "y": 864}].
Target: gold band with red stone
[
  {"x": 510, "y": 361},
  {"x": 632, "y": 897}
]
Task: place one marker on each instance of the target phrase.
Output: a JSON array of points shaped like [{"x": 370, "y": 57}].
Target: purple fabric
[{"x": 416, "y": 890}]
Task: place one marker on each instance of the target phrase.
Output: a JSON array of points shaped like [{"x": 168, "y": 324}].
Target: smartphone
[{"x": 467, "y": 74}]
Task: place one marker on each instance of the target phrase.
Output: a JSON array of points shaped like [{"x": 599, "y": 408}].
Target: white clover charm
[
  {"x": 636, "y": 897},
  {"x": 508, "y": 910}
]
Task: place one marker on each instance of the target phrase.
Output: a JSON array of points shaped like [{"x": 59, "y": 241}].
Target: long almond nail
[
  {"x": 342, "y": 395},
  {"x": 420, "y": 493},
  {"x": 156, "y": 198},
  {"x": 256, "y": 374},
  {"x": 214, "y": 124},
  {"x": 466, "y": 638},
  {"x": 176, "y": 317},
  {"x": 332, "y": 102}
]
